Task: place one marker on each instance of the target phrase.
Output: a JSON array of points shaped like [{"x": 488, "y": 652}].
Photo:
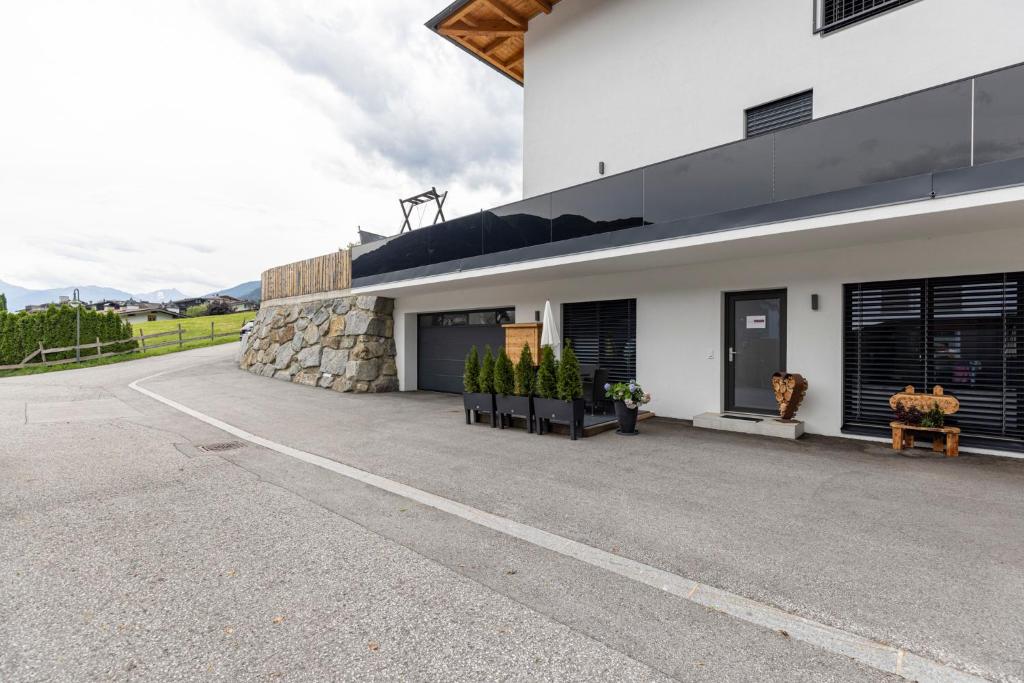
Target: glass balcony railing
[{"x": 967, "y": 123}]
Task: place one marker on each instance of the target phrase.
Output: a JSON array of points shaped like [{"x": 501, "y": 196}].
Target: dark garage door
[{"x": 445, "y": 338}]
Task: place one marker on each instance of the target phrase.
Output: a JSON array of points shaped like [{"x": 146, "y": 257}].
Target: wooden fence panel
[
  {"x": 327, "y": 273},
  {"x": 98, "y": 345}
]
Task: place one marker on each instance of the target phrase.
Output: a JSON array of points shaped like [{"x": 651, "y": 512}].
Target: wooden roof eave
[{"x": 493, "y": 31}]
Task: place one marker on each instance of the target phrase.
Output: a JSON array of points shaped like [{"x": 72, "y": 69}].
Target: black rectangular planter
[
  {"x": 570, "y": 413},
  {"x": 514, "y": 406},
  {"x": 479, "y": 403}
]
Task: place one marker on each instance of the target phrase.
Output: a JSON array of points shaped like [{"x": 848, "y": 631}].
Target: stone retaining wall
[{"x": 343, "y": 343}]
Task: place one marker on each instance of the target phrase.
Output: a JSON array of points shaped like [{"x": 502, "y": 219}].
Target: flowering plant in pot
[
  {"x": 559, "y": 392},
  {"x": 513, "y": 387},
  {"x": 628, "y": 397},
  {"x": 478, "y": 386}
]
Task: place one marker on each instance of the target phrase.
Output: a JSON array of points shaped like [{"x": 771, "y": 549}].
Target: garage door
[{"x": 444, "y": 339}]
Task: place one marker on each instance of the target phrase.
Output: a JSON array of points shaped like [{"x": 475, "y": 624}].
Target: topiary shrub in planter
[
  {"x": 559, "y": 392},
  {"x": 482, "y": 400},
  {"x": 514, "y": 388},
  {"x": 474, "y": 400}
]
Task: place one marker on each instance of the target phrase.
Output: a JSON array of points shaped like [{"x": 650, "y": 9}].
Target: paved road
[{"x": 127, "y": 552}]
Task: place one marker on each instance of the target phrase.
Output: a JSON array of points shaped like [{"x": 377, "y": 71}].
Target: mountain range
[
  {"x": 19, "y": 297},
  {"x": 250, "y": 291}
]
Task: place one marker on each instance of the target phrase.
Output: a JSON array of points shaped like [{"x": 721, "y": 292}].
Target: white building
[
  {"x": 137, "y": 314},
  {"x": 719, "y": 190}
]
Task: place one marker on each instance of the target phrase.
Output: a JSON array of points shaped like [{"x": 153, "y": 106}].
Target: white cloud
[{"x": 148, "y": 144}]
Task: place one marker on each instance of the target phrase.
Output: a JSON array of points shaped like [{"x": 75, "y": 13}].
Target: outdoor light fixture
[
  {"x": 536, "y": 316},
  {"x": 814, "y": 302},
  {"x": 600, "y": 167}
]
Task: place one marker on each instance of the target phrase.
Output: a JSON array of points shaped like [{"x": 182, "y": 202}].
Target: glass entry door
[{"x": 755, "y": 349}]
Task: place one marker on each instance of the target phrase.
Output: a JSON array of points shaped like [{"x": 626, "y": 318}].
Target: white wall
[
  {"x": 680, "y": 309},
  {"x": 639, "y": 81}
]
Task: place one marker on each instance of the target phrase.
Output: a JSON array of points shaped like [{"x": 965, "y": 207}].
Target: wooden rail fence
[
  {"x": 327, "y": 273},
  {"x": 140, "y": 342}
]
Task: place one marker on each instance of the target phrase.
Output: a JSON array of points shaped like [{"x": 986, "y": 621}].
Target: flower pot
[
  {"x": 476, "y": 403},
  {"x": 514, "y": 406},
  {"x": 548, "y": 410},
  {"x": 626, "y": 417}
]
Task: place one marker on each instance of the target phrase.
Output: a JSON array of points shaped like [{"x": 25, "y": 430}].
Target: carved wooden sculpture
[{"x": 789, "y": 392}]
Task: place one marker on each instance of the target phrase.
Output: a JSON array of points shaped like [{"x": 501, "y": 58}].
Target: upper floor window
[
  {"x": 783, "y": 113},
  {"x": 835, "y": 14}
]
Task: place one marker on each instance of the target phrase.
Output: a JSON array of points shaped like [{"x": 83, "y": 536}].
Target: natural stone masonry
[{"x": 345, "y": 344}]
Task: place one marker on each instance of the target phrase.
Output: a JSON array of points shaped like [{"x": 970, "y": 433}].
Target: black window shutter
[
  {"x": 603, "y": 333},
  {"x": 783, "y": 113},
  {"x": 963, "y": 333}
]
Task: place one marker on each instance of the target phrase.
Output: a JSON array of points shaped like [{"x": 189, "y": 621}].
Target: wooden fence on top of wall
[{"x": 327, "y": 273}]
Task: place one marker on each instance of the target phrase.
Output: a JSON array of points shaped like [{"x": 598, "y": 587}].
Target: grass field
[{"x": 191, "y": 327}]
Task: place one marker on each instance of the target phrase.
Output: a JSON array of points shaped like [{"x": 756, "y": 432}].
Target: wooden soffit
[{"x": 492, "y": 30}]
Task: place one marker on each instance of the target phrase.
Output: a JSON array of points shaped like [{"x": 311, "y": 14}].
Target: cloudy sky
[{"x": 194, "y": 143}]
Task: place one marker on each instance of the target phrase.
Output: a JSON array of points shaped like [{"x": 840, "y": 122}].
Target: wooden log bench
[{"x": 944, "y": 440}]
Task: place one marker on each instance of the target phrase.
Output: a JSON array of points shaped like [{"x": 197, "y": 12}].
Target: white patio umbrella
[{"x": 549, "y": 336}]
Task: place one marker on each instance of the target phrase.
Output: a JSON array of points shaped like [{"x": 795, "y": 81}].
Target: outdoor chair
[{"x": 594, "y": 379}]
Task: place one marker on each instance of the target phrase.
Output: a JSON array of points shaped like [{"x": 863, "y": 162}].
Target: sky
[{"x": 149, "y": 144}]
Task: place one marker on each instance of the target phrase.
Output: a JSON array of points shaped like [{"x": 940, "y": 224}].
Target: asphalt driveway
[{"x": 129, "y": 552}]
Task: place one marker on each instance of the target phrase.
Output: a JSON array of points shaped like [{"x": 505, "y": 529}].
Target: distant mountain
[
  {"x": 20, "y": 297},
  {"x": 160, "y": 296},
  {"x": 249, "y": 291}
]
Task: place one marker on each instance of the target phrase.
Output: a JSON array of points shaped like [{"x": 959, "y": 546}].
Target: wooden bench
[{"x": 945, "y": 439}]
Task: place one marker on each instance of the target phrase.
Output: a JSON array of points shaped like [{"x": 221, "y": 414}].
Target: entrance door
[{"x": 755, "y": 349}]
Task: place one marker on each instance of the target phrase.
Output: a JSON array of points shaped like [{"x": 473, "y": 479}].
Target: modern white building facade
[{"x": 720, "y": 190}]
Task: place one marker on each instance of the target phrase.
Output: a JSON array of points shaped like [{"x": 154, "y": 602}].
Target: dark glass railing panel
[
  {"x": 924, "y": 133},
  {"x": 612, "y": 203},
  {"x": 522, "y": 224},
  {"x": 455, "y": 239},
  {"x": 730, "y": 177},
  {"x": 999, "y": 116},
  {"x": 408, "y": 250},
  {"x": 921, "y": 133}
]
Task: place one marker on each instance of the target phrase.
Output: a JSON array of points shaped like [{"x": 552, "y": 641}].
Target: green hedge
[{"x": 20, "y": 333}]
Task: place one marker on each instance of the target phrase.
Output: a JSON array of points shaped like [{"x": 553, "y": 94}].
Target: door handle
[{"x": 732, "y": 354}]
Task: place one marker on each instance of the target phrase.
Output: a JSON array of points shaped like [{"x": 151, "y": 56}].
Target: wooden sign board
[{"x": 519, "y": 334}]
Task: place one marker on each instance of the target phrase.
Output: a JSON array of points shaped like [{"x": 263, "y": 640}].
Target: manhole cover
[{"x": 221, "y": 446}]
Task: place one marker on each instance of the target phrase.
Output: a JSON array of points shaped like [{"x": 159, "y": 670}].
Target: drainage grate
[
  {"x": 221, "y": 446},
  {"x": 743, "y": 417}
]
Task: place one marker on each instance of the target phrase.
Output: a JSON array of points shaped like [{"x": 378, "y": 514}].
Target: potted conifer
[
  {"x": 475, "y": 399},
  {"x": 485, "y": 383},
  {"x": 513, "y": 387},
  {"x": 559, "y": 392}
]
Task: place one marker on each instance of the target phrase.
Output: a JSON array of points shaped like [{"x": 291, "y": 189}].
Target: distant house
[
  {"x": 144, "y": 315},
  {"x": 63, "y": 301},
  {"x": 107, "y": 305}
]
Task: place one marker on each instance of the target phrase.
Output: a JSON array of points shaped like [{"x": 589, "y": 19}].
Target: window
[
  {"x": 835, "y": 14},
  {"x": 779, "y": 114},
  {"x": 150, "y": 317},
  {"x": 959, "y": 332},
  {"x": 500, "y": 316},
  {"x": 603, "y": 333}
]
